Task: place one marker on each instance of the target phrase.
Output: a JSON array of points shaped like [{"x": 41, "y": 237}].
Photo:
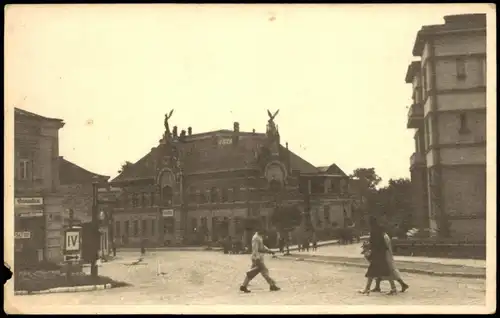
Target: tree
[
  {"x": 125, "y": 166},
  {"x": 365, "y": 181},
  {"x": 367, "y": 176},
  {"x": 394, "y": 203}
]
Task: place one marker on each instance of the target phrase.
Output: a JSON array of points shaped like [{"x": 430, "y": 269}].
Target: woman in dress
[
  {"x": 379, "y": 265},
  {"x": 390, "y": 260}
]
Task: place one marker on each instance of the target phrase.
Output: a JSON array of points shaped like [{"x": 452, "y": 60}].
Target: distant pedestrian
[
  {"x": 282, "y": 245},
  {"x": 258, "y": 265},
  {"x": 307, "y": 244},
  {"x": 143, "y": 247},
  {"x": 114, "y": 247},
  {"x": 314, "y": 242}
]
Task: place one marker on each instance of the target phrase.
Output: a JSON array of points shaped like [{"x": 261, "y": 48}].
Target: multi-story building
[
  {"x": 448, "y": 113},
  {"x": 197, "y": 187},
  {"x": 46, "y": 186}
]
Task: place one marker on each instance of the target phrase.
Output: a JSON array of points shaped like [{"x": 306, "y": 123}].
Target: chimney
[
  {"x": 182, "y": 137},
  {"x": 190, "y": 131},
  {"x": 174, "y": 132},
  {"x": 236, "y": 136}
]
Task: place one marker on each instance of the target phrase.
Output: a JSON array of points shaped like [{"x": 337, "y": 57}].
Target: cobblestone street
[{"x": 207, "y": 278}]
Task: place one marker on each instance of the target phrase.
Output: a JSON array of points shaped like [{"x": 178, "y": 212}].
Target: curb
[
  {"x": 276, "y": 250},
  {"x": 404, "y": 270},
  {"x": 172, "y": 249},
  {"x": 64, "y": 289}
]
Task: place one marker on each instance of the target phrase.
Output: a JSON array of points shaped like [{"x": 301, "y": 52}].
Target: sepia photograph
[{"x": 250, "y": 158}]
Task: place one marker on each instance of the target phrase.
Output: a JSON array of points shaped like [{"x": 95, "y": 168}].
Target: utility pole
[{"x": 95, "y": 230}]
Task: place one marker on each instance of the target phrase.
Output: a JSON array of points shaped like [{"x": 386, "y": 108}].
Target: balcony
[
  {"x": 415, "y": 115},
  {"x": 417, "y": 160}
]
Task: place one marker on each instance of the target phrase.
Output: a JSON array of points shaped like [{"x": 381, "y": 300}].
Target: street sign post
[
  {"x": 72, "y": 247},
  {"x": 72, "y": 241},
  {"x": 74, "y": 258}
]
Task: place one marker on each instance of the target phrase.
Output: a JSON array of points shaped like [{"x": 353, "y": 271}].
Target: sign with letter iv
[{"x": 72, "y": 241}]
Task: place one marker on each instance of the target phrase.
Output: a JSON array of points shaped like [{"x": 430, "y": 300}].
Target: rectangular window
[
  {"x": 482, "y": 71},
  {"x": 424, "y": 82},
  {"x": 127, "y": 228},
  {"x": 236, "y": 194},
  {"x": 326, "y": 214},
  {"x": 463, "y": 124},
  {"x": 117, "y": 229},
  {"x": 460, "y": 69},
  {"x": 135, "y": 200},
  {"x": 168, "y": 225},
  {"x": 238, "y": 226},
  {"x": 153, "y": 227},
  {"x": 427, "y": 133},
  {"x": 125, "y": 200},
  {"x": 194, "y": 224},
  {"x": 24, "y": 169},
  {"x": 144, "y": 227},
  {"x": 224, "y": 195},
  {"x": 143, "y": 199},
  {"x": 136, "y": 228},
  {"x": 152, "y": 199}
]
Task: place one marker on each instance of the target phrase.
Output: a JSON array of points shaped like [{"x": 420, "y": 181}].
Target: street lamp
[{"x": 95, "y": 229}]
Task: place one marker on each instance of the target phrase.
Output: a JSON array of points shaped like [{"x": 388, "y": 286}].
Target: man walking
[{"x": 258, "y": 265}]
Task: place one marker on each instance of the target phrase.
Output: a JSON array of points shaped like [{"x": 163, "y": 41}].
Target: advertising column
[{"x": 29, "y": 230}]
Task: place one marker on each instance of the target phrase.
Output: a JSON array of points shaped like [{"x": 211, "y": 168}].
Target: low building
[
  {"x": 46, "y": 186},
  {"x": 194, "y": 188},
  {"x": 448, "y": 113}
]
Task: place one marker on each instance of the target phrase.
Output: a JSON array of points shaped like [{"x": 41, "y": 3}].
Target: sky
[{"x": 111, "y": 72}]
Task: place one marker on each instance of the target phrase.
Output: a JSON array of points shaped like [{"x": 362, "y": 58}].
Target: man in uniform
[{"x": 258, "y": 265}]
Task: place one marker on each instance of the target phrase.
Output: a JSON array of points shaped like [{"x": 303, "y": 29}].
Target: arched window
[{"x": 167, "y": 195}]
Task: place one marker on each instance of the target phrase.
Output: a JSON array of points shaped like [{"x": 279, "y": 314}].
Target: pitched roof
[
  {"x": 215, "y": 158},
  {"x": 331, "y": 169},
  {"x": 70, "y": 173},
  {"x": 25, "y": 113},
  {"x": 300, "y": 164}
]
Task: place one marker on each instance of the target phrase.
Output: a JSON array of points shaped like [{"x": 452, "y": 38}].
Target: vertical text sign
[{"x": 72, "y": 241}]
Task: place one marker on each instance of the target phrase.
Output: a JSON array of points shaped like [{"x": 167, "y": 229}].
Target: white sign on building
[
  {"x": 28, "y": 201},
  {"x": 225, "y": 141},
  {"x": 167, "y": 213},
  {"x": 30, "y": 214},
  {"x": 22, "y": 235}
]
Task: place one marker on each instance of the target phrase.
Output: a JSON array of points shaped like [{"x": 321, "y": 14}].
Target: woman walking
[
  {"x": 379, "y": 266},
  {"x": 390, "y": 260}
]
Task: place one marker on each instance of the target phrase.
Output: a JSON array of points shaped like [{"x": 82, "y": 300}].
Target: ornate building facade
[{"x": 194, "y": 188}]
